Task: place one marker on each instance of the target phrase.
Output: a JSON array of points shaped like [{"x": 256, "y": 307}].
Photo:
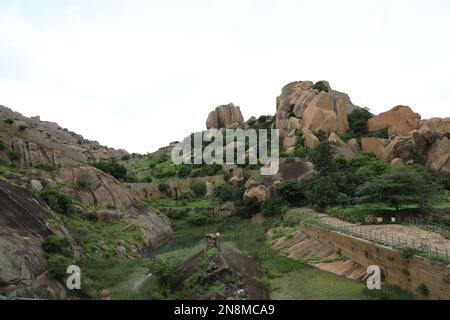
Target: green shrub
[
  {"x": 23, "y": 127},
  {"x": 357, "y": 121},
  {"x": 58, "y": 244},
  {"x": 247, "y": 208},
  {"x": 126, "y": 157},
  {"x": 163, "y": 188},
  {"x": 423, "y": 289},
  {"x": 199, "y": 188},
  {"x": 2, "y": 145},
  {"x": 198, "y": 218},
  {"x": 148, "y": 179},
  {"x": 228, "y": 192},
  {"x": 15, "y": 155},
  {"x": 57, "y": 266},
  {"x": 292, "y": 192},
  {"x": 274, "y": 207},
  {"x": 112, "y": 168},
  {"x": 45, "y": 167},
  {"x": 184, "y": 171},
  {"x": 9, "y": 121},
  {"x": 57, "y": 201},
  {"x": 164, "y": 270},
  {"x": 388, "y": 293}
]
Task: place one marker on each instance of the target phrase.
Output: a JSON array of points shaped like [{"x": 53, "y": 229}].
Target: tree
[
  {"x": 323, "y": 158},
  {"x": 291, "y": 191},
  {"x": 409, "y": 185},
  {"x": 112, "y": 168},
  {"x": 357, "y": 121},
  {"x": 323, "y": 191}
]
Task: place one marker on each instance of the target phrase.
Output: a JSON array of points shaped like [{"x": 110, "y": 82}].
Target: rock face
[
  {"x": 374, "y": 145},
  {"x": 47, "y": 143},
  {"x": 340, "y": 147},
  {"x": 312, "y": 106},
  {"x": 399, "y": 120},
  {"x": 24, "y": 224},
  {"x": 439, "y": 156},
  {"x": 227, "y": 116},
  {"x": 311, "y": 141}
]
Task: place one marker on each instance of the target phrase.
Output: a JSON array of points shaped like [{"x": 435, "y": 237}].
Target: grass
[
  {"x": 195, "y": 203},
  {"x": 388, "y": 293}
]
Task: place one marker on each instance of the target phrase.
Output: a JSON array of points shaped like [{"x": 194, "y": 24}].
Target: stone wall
[
  {"x": 150, "y": 191},
  {"x": 398, "y": 270}
]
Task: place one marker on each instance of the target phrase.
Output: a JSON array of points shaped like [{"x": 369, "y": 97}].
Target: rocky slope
[{"x": 37, "y": 156}]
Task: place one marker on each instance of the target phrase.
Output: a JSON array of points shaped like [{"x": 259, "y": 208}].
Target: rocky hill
[{"x": 47, "y": 173}]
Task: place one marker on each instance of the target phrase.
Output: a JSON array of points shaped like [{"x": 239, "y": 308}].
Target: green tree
[
  {"x": 357, "y": 121},
  {"x": 323, "y": 191},
  {"x": 292, "y": 191},
  {"x": 323, "y": 158},
  {"x": 409, "y": 185},
  {"x": 113, "y": 168},
  {"x": 199, "y": 188}
]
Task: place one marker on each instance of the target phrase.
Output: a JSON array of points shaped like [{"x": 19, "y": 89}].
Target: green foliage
[
  {"x": 57, "y": 265},
  {"x": 164, "y": 170},
  {"x": 45, "y": 167},
  {"x": 423, "y": 289},
  {"x": 184, "y": 171},
  {"x": 199, "y": 188},
  {"x": 416, "y": 155},
  {"x": 274, "y": 207},
  {"x": 164, "y": 270},
  {"x": 23, "y": 127},
  {"x": 58, "y": 244},
  {"x": 57, "y": 201},
  {"x": 2, "y": 145},
  {"x": 199, "y": 218},
  {"x": 381, "y": 134},
  {"x": 15, "y": 155},
  {"x": 9, "y": 121},
  {"x": 323, "y": 158},
  {"x": 126, "y": 157},
  {"x": 228, "y": 192},
  {"x": 322, "y": 191},
  {"x": 247, "y": 208},
  {"x": 148, "y": 179},
  {"x": 357, "y": 121},
  {"x": 291, "y": 191},
  {"x": 388, "y": 292},
  {"x": 409, "y": 185},
  {"x": 113, "y": 168},
  {"x": 163, "y": 188}
]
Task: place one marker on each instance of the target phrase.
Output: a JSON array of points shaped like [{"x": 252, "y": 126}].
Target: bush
[
  {"x": 274, "y": 207},
  {"x": 57, "y": 201},
  {"x": 163, "y": 188},
  {"x": 199, "y": 218},
  {"x": 199, "y": 188},
  {"x": 9, "y": 121},
  {"x": 148, "y": 180},
  {"x": 126, "y": 157},
  {"x": 58, "y": 244},
  {"x": 357, "y": 121},
  {"x": 57, "y": 266},
  {"x": 164, "y": 271},
  {"x": 228, "y": 192},
  {"x": 423, "y": 289},
  {"x": 45, "y": 167},
  {"x": 184, "y": 171},
  {"x": 15, "y": 155},
  {"x": 112, "y": 168},
  {"x": 292, "y": 192},
  {"x": 23, "y": 127},
  {"x": 2, "y": 145},
  {"x": 247, "y": 208}
]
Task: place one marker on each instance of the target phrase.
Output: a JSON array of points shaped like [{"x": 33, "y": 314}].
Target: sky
[{"x": 140, "y": 74}]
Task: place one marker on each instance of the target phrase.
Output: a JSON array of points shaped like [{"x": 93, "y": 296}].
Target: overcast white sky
[{"x": 140, "y": 74}]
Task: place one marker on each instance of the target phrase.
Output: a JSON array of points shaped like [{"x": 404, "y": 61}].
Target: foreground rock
[
  {"x": 25, "y": 223},
  {"x": 399, "y": 120}
]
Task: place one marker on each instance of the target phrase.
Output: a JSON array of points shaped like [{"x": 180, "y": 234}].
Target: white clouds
[{"x": 139, "y": 74}]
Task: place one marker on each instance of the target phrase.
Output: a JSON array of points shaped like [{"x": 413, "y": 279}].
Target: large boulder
[
  {"x": 326, "y": 112},
  {"x": 311, "y": 141},
  {"x": 429, "y": 131},
  {"x": 291, "y": 140},
  {"x": 226, "y": 116},
  {"x": 397, "y": 148},
  {"x": 439, "y": 156},
  {"x": 399, "y": 119},
  {"x": 340, "y": 147},
  {"x": 374, "y": 145},
  {"x": 354, "y": 145}
]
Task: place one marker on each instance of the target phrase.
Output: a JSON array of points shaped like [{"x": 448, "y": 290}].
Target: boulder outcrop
[
  {"x": 400, "y": 120},
  {"x": 316, "y": 106},
  {"x": 374, "y": 145},
  {"x": 340, "y": 147},
  {"x": 226, "y": 116}
]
